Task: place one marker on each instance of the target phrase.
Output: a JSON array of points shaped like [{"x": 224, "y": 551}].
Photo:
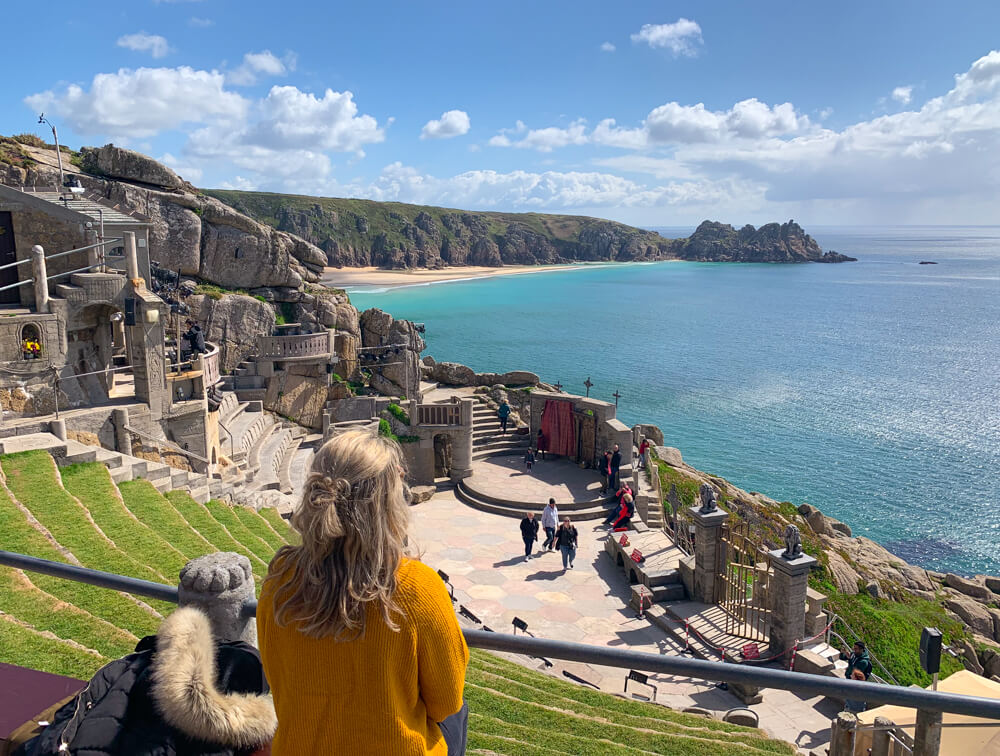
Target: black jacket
[
  {"x": 566, "y": 536},
  {"x": 529, "y": 529},
  {"x": 616, "y": 461},
  {"x": 172, "y": 697}
]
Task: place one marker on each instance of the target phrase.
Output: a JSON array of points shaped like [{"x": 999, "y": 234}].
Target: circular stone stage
[{"x": 501, "y": 485}]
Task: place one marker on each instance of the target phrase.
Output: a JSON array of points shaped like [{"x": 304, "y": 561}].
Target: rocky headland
[{"x": 361, "y": 233}]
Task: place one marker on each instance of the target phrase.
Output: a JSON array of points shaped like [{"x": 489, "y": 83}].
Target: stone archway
[
  {"x": 443, "y": 455},
  {"x": 94, "y": 338}
]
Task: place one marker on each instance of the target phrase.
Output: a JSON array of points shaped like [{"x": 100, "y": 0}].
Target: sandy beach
[{"x": 370, "y": 276}]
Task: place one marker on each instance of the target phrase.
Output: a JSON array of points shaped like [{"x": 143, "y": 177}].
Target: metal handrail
[
  {"x": 169, "y": 444},
  {"x": 63, "y": 254},
  {"x": 762, "y": 677}
]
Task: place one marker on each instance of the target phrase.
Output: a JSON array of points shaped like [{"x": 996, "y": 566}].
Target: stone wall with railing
[{"x": 297, "y": 346}]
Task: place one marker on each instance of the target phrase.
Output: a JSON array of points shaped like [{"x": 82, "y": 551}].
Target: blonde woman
[{"x": 360, "y": 644}]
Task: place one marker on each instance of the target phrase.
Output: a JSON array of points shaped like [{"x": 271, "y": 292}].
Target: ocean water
[{"x": 869, "y": 389}]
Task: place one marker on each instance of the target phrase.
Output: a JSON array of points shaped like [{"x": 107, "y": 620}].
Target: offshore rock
[{"x": 772, "y": 242}]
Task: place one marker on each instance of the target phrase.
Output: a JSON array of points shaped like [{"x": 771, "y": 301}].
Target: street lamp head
[{"x": 41, "y": 118}]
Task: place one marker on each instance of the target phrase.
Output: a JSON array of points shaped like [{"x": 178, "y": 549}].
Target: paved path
[{"x": 484, "y": 556}]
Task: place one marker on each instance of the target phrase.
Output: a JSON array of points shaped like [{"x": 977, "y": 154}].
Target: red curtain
[{"x": 559, "y": 427}]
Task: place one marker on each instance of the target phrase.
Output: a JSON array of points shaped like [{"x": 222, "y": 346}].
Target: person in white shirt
[{"x": 550, "y": 521}]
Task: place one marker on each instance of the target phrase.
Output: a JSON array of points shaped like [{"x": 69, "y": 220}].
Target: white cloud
[
  {"x": 154, "y": 44},
  {"x": 543, "y": 140},
  {"x": 452, "y": 123},
  {"x": 189, "y": 172},
  {"x": 263, "y": 63},
  {"x": 239, "y": 183},
  {"x": 608, "y": 47},
  {"x": 143, "y": 102},
  {"x": 671, "y": 123},
  {"x": 200, "y": 23},
  {"x": 681, "y": 37},
  {"x": 902, "y": 95}
]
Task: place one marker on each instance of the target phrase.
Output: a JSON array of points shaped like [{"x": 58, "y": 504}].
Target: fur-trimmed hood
[{"x": 184, "y": 689}]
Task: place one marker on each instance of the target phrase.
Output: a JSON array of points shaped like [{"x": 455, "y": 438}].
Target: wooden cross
[
  {"x": 588, "y": 384},
  {"x": 617, "y": 396},
  {"x": 557, "y": 386}
]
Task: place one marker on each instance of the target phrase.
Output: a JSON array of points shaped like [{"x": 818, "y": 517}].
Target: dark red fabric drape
[{"x": 558, "y": 427}]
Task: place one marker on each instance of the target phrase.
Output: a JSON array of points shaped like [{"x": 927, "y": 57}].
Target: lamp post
[{"x": 55, "y": 135}]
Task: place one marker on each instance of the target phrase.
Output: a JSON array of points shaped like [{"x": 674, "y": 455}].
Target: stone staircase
[
  {"x": 122, "y": 466},
  {"x": 487, "y": 440},
  {"x": 578, "y": 511},
  {"x": 245, "y": 382}
]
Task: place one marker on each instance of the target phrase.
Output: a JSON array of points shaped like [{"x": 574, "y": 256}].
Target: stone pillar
[
  {"x": 94, "y": 253},
  {"x": 40, "y": 275},
  {"x": 58, "y": 429},
  {"x": 787, "y": 591},
  {"x": 842, "y": 734},
  {"x": 123, "y": 440},
  {"x": 927, "y": 738},
  {"x": 461, "y": 444},
  {"x": 880, "y": 737},
  {"x": 131, "y": 256},
  {"x": 707, "y": 549},
  {"x": 220, "y": 584}
]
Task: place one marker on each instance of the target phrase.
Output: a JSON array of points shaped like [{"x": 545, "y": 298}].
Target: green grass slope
[
  {"x": 26, "y": 647},
  {"x": 91, "y": 484},
  {"x": 226, "y": 515},
  {"x": 259, "y": 527},
  {"x": 280, "y": 524},
  {"x": 153, "y": 508},
  {"x": 33, "y": 479},
  {"x": 198, "y": 516}
]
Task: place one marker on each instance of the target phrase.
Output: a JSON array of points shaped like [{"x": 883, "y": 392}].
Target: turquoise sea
[{"x": 869, "y": 389}]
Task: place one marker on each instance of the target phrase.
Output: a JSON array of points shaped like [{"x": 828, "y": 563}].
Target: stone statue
[
  {"x": 709, "y": 499},
  {"x": 793, "y": 543}
]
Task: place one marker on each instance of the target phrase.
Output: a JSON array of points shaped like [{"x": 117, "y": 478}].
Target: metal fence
[{"x": 797, "y": 682}]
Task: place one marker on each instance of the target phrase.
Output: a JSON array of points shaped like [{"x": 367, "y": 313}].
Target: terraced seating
[
  {"x": 514, "y": 710},
  {"x": 77, "y": 514},
  {"x": 226, "y": 515}
]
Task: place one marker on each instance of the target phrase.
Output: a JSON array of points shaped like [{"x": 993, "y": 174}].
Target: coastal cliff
[{"x": 356, "y": 233}]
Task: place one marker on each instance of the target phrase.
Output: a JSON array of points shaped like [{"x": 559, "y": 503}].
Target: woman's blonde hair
[{"x": 352, "y": 520}]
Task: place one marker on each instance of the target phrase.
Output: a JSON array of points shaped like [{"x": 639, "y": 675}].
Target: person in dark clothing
[
  {"x": 180, "y": 693},
  {"x": 857, "y": 659},
  {"x": 195, "y": 339},
  {"x": 616, "y": 463},
  {"x": 566, "y": 538},
  {"x": 541, "y": 443},
  {"x": 529, "y": 532},
  {"x": 529, "y": 459},
  {"x": 503, "y": 413},
  {"x": 605, "y": 466}
]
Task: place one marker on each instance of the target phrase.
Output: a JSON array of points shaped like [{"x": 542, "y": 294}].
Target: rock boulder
[
  {"x": 651, "y": 432},
  {"x": 968, "y": 587},
  {"x": 120, "y": 163},
  {"x": 845, "y": 577},
  {"x": 453, "y": 374},
  {"x": 972, "y": 613}
]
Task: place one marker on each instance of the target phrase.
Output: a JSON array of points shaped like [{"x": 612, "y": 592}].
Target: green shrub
[
  {"x": 399, "y": 413},
  {"x": 384, "y": 429},
  {"x": 31, "y": 140}
]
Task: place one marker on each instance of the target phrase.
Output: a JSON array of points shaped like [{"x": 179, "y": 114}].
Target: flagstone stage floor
[{"x": 506, "y": 478}]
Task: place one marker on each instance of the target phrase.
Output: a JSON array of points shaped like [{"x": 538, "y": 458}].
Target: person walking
[
  {"x": 349, "y": 611},
  {"x": 643, "y": 447},
  {"x": 566, "y": 539},
  {"x": 503, "y": 412},
  {"x": 541, "y": 443},
  {"x": 550, "y": 521},
  {"x": 605, "y": 465},
  {"x": 615, "y": 465},
  {"x": 529, "y": 459},
  {"x": 529, "y": 532}
]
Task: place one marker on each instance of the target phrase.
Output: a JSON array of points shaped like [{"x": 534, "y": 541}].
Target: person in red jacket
[
  {"x": 624, "y": 514},
  {"x": 642, "y": 452}
]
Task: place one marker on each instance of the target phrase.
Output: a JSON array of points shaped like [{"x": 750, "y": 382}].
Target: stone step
[
  {"x": 68, "y": 291},
  {"x": 512, "y": 452},
  {"x": 470, "y": 487},
  {"x": 157, "y": 471},
  {"x": 670, "y": 592},
  {"x": 493, "y": 445},
  {"x": 33, "y": 441},
  {"x": 518, "y": 513}
]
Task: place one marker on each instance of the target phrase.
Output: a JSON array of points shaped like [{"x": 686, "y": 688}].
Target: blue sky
[{"x": 658, "y": 113}]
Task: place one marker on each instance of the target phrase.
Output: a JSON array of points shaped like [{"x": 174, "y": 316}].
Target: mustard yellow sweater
[{"x": 382, "y": 694}]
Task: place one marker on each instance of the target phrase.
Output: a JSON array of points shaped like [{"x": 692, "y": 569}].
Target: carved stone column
[
  {"x": 707, "y": 550},
  {"x": 220, "y": 584},
  {"x": 788, "y": 585},
  {"x": 39, "y": 274}
]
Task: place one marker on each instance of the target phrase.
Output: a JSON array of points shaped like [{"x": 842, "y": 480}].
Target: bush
[
  {"x": 384, "y": 429},
  {"x": 31, "y": 140},
  {"x": 399, "y": 413}
]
